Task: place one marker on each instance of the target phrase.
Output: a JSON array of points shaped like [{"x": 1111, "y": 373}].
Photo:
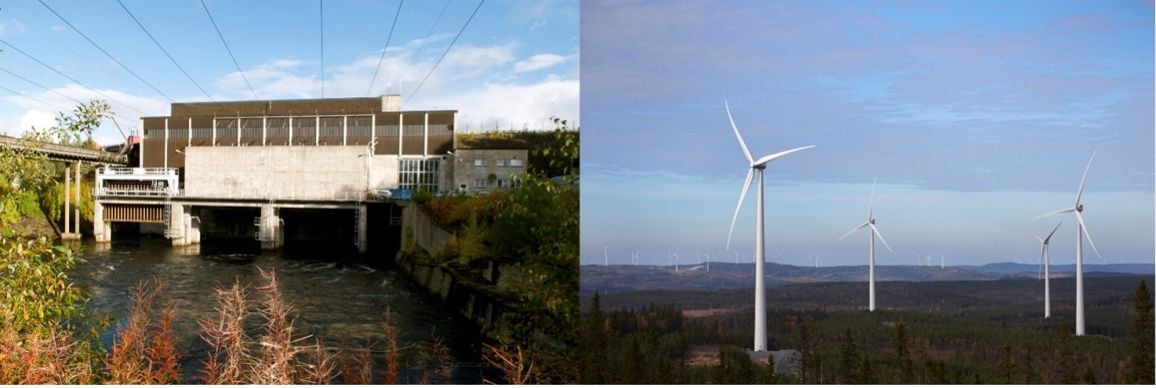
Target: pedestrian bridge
[{"x": 63, "y": 153}]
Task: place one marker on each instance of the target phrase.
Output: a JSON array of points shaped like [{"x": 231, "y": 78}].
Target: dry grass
[
  {"x": 513, "y": 365},
  {"x": 42, "y": 358},
  {"x": 144, "y": 351}
]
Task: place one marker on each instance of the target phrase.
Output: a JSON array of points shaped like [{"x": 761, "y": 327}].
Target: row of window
[
  {"x": 483, "y": 183},
  {"x": 306, "y": 129},
  {"x": 500, "y": 162}
]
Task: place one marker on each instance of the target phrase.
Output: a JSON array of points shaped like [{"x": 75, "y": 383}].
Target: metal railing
[{"x": 137, "y": 171}]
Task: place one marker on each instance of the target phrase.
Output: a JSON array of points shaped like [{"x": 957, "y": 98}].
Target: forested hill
[{"x": 724, "y": 276}]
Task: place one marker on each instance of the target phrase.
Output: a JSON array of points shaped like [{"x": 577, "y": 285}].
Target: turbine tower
[
  {"x": 1081, "y": 232},
  {"x": 634, "y": 256},
  {"x": 757, "y": 167},
  {"x": 870, "y": 223},
  {"x": 605, "y": 255},
  {"x": 1044, "y": 261}
]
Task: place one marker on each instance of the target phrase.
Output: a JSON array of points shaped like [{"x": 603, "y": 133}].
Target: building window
[
  {"x": 515, "y": 162},
  {"x": 479, "y": 162},
  {"x": 420, "y": 174},
  {"x": 480, "y": 183},
  {"x": 503, "y": 163}
]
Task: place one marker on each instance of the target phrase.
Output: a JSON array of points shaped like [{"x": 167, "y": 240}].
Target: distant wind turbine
[
  {"x": 634, "y": 256},
  {"x": 940, "y": 261},
  {"x": 870, "y": 224},
  {"x": 1044, "y": 261},
  {"x": 757, "y": 167},
  {"x": 605, "y": 255},
  {"x": 1081, "y": 232}
]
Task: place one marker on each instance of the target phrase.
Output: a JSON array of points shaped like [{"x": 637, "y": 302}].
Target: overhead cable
[
  {"x": 439, "y": 61},
  {"x": 387, "y": 39},
  {"x": 174, "y": 61},
  {"x": 122, "y": 65},
  {"x": 228, "y": 50}
]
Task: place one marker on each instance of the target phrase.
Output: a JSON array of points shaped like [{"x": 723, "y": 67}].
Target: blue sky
[
  {"x": 976, "y": 116},
  {"x": 515, "y": 65}
]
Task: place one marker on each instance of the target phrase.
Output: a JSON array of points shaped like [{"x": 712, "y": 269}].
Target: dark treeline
[{"x": 654, "y": 344}]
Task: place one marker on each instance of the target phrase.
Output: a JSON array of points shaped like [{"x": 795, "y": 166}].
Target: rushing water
[{"x": 341, "y": 301}]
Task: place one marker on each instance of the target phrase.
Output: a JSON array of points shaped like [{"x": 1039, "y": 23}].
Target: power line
[
  {"x": 78, "y": 102},
  {"x": 134, "y": 74},
  {"x": 387, "y": 39},
  {"x": 439, "y": 61},
  {"x": 67, "y": 77},
  {"x": 25, "y": 95},
  {"x": 321, "y": 17},
  {"x": 228, "y": 50},
  {"x": 423, "y": 43},
  {"x": 150, "y": 35}
]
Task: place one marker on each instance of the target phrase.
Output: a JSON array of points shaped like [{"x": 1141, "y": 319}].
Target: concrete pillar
[
  {"x": 65, "y": 235},
  {"x": 269, "y": 229},
  {"x": 177, "y": 221},
  {"x": 76, "y": 210},
  {"x": 101, "y": 230},
  {"x": 362, "y": 228},
  {"x": 193, "y": 228}
]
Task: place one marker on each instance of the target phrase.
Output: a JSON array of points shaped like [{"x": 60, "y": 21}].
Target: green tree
[
  {"x": 848, "y": 359},
  {"x": 866, "y": 375},
  {"x": 904, "y": 370},
  {"x": 1140, "y": 370},
  {"x": 594, "y": 349},
  {"x": 1066, "y": 357},
  {"x": 809, "y": 370},
  {"x": 769, "y": 372},
  {"x": 1007, "y": 366}
]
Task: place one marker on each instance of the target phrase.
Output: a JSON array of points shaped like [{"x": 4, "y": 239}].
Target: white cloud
[
  {"x": 507, "y": 106},
  {"x": 41, "y": 110},
  {"x": 538, "y": 62},
  {"x": 12, "y": 27}
]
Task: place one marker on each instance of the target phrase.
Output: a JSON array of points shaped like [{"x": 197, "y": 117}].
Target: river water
[{"x": 340, "y": 300}]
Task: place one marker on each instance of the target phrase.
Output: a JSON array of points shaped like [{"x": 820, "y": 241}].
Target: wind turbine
[
  {"x": 1044, "y": 261},
  {"x": 757, "y": 167},
  {"x": 634, "y": 256},
  {"x": 870, "y": 223},
  {"x": 673, "y": 257},
  {"x": 605, "y": 255},
  {"x": 940, "y": 261},
  {"x": 1081, "y": 232}
]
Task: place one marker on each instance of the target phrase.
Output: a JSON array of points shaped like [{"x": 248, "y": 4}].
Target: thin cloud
[{"x": 538, "y": 62}]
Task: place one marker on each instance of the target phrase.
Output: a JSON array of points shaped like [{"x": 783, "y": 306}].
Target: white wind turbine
[
  {"x": 1044, "y": 261},
  {"x": 1081, "y": 232},
  {"x": 605, "y": 255},
  {"x": 870, "y": 223},
  {"x": 757, "y": 167},
  {"x": 634, "y": 256}
]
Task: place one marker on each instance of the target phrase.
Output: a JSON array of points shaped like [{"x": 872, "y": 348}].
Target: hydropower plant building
[{"x": 310, "y": 170}]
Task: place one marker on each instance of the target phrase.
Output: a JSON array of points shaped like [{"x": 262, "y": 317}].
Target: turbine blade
[
  {"x": 1040, "y": 238},
  {"x": 871, "y": 204},
  {"x": 769, "y": 158},
  {"x": 742, "y": 197},
  {"x": 852, "y": 231},
  {"x": 1084, "y": 226},
  {"x": 1080, "y": 192},
  {"x": 1068, "y": 210},
  {"x": 1053, "y": 232},
  {"x": 880, "y": 237},
  {"x": 742, "y": 143}
]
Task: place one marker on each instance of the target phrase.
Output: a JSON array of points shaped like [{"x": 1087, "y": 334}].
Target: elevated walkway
[{"x": 62, "y": 153}]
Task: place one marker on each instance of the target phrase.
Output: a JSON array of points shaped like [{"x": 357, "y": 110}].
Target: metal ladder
[{"x": 166, "y": 215}]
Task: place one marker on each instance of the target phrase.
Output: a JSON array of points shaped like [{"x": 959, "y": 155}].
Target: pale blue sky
[
  {"x": 976, "y": 116},
  {"x": 515, "y": 65}
]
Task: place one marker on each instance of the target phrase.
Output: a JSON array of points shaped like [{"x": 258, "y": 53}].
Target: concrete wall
[
  {"x": 466, "y": 171},
  {"x": 286, "y": 172},
  {"x": 425, "y": 234}
]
